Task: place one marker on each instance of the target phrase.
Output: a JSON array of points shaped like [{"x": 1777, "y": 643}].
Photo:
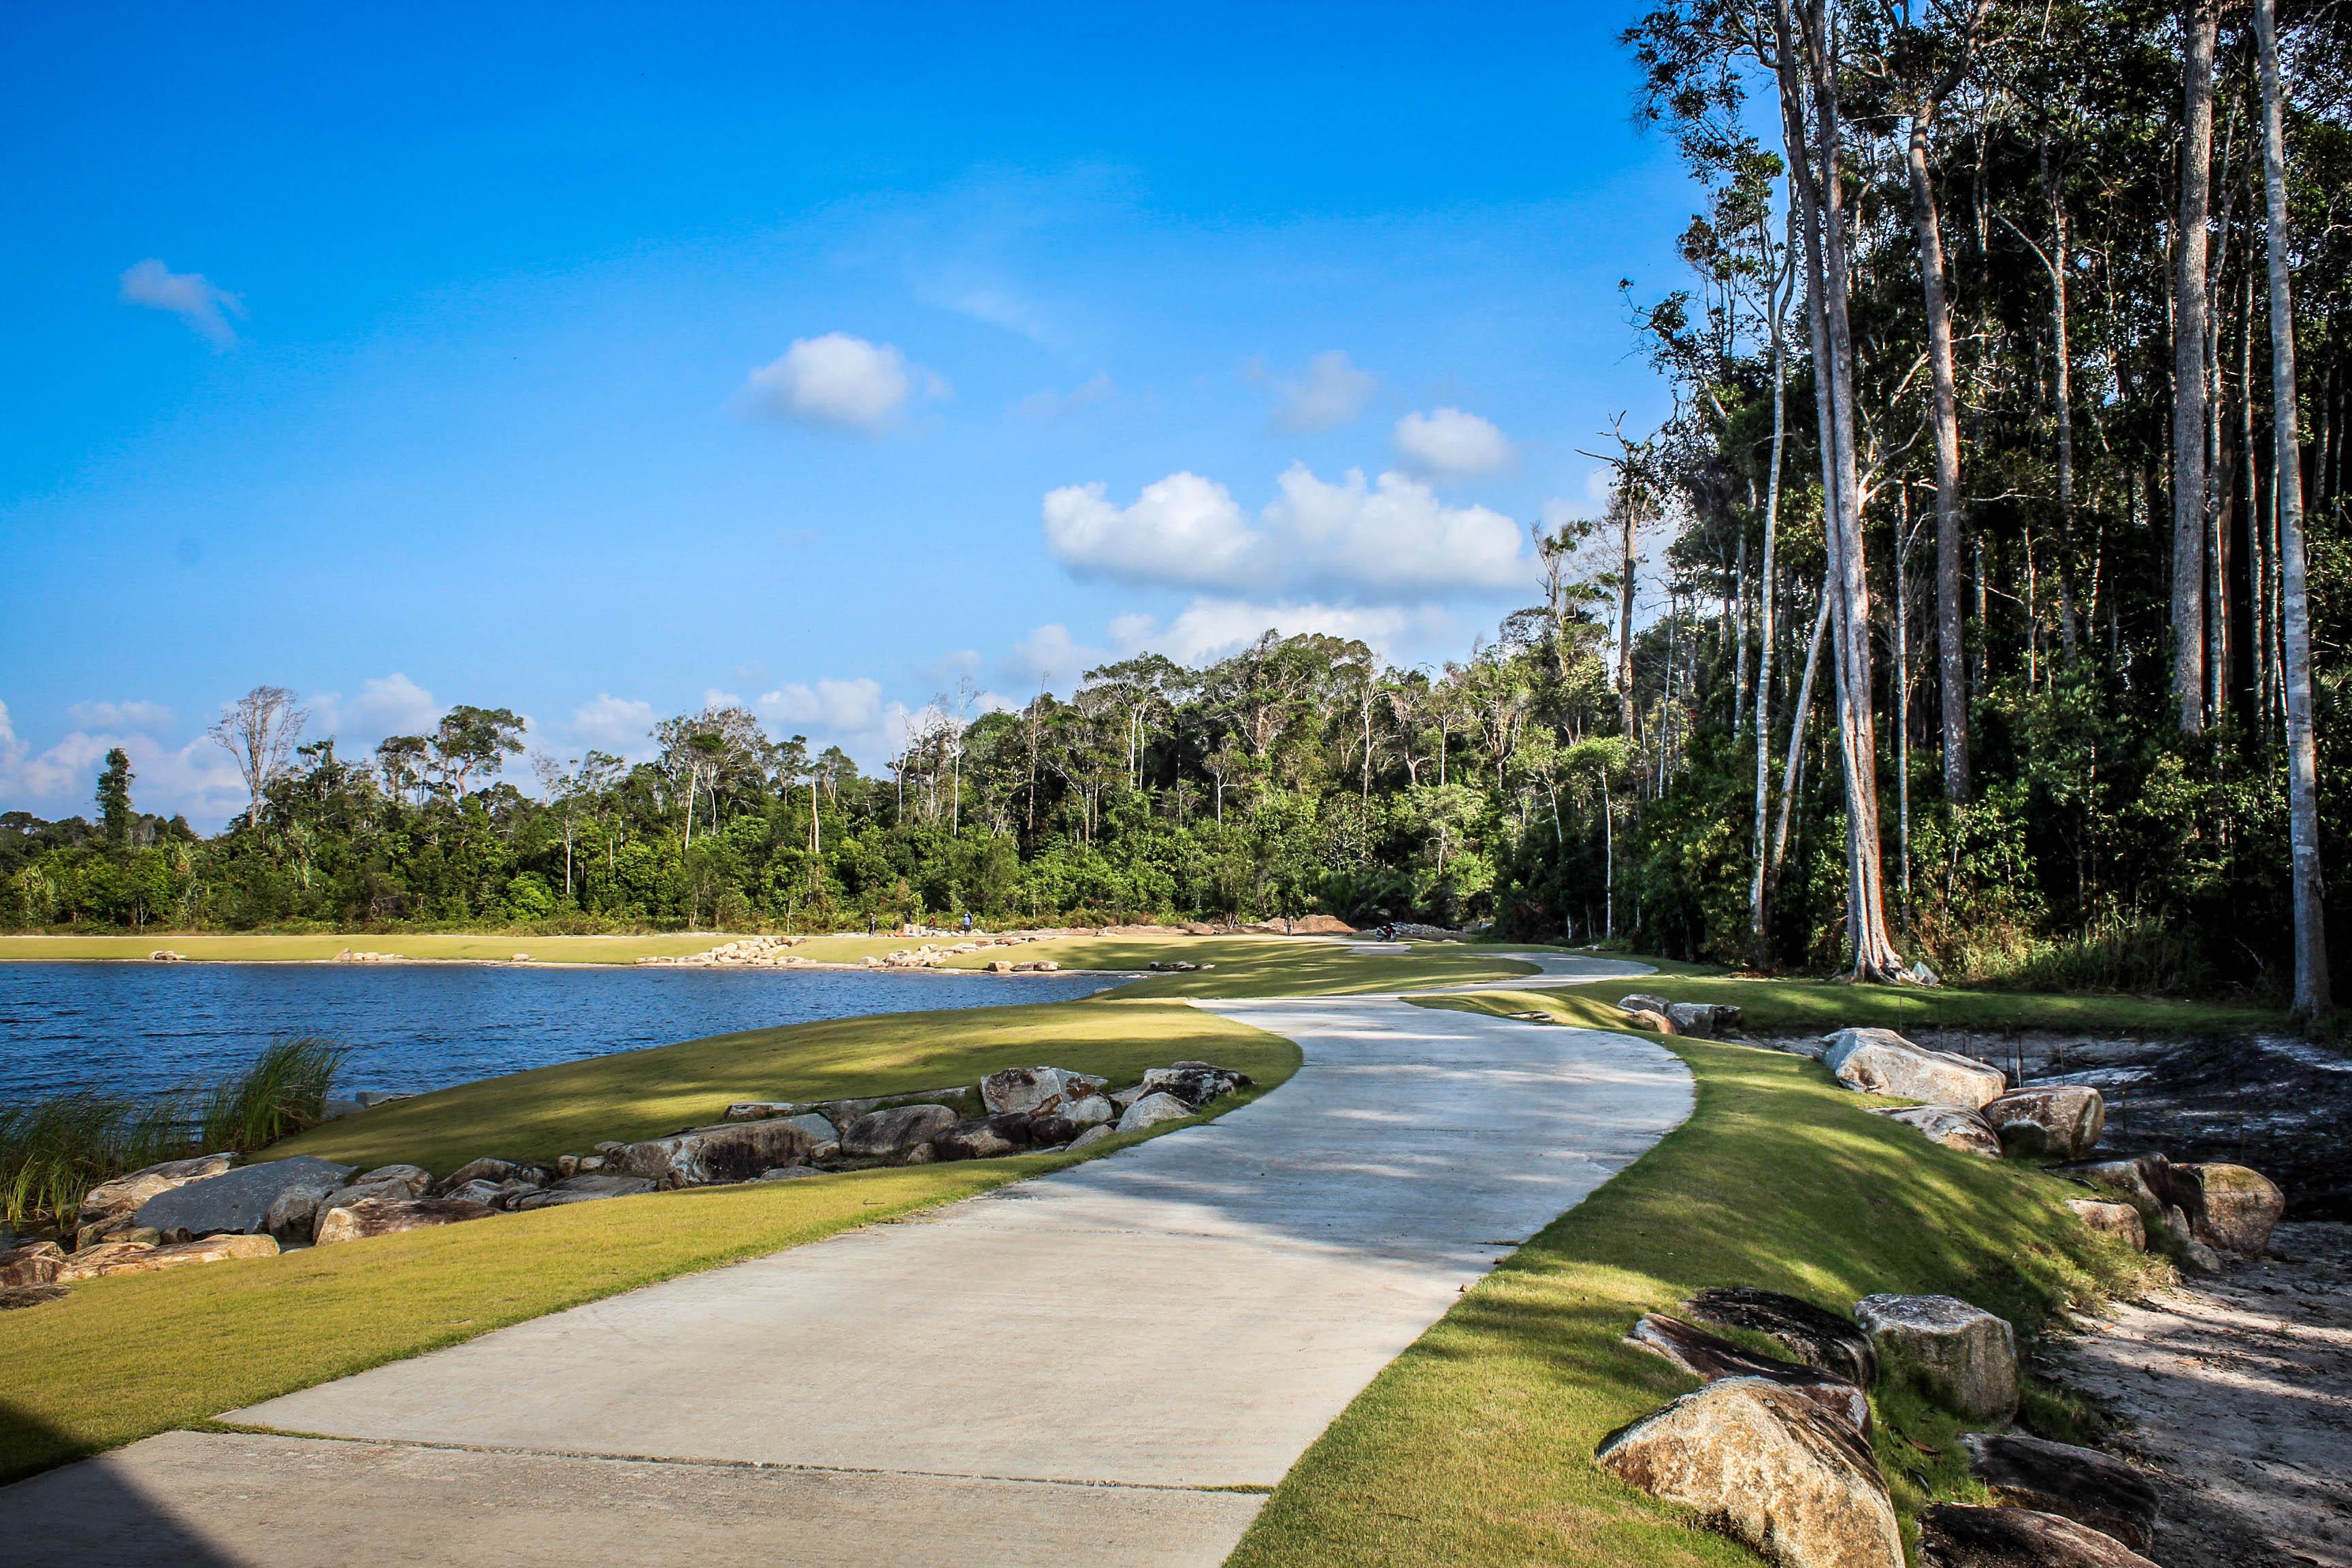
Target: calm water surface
[{"x": 142, "y": 1028}]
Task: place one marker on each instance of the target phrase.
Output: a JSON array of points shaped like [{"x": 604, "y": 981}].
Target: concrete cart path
[{"x": 1055, "y": 1372}]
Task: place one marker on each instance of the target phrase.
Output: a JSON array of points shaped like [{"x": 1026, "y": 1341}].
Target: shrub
[{"x": 284, "y": 1091}]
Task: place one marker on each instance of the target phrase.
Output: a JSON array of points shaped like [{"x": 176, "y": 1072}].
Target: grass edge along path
[
  {"x": 126, "y": 1357},
  {"x": 1475, "y": 1446}
]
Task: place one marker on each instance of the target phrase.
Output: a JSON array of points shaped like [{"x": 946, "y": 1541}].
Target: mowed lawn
[
  {"x": 571, "y": 1108},
  {"x": 1475, "y": 1446},
  {"x": 124, "y": 1357}
]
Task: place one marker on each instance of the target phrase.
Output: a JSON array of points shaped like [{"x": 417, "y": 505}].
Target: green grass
[
  {"x": 123, "y": 1358},
  {"x": 571, "y": 1108},
  {"x": 1279, "y": 966},
  {"x": 1475, "y": 1446},
  {"x": 1791, "y": 1006}
]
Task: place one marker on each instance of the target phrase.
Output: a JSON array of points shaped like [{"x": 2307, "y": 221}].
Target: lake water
[{"x": 142, "y": 1028}]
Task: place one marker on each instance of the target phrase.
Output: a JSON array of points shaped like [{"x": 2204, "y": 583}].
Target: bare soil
[
  {"x": 2235, "y": 1393},
  {"x": 2280, "y": 1105}
]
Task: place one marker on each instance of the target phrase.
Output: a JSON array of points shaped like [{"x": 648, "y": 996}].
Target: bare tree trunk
[
  {"x": 1768, "y": 581},
  {"x": 1945, "y": 412},
  {"x": 1797, "y": 720},
  {"x": 1738, "y": 625},
  {"x": 1872, "y": 948},
  {"x": 2188, "y": 418},
  {"x": 2311, "y": 983},
  {"x": 2061, "y": 397},
  {"x": 1625, "y": 505}
]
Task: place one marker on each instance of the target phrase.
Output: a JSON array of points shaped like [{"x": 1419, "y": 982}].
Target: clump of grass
[
  {"x": 54, "y": 1149},
  {"x": 282, "y": 1093}
]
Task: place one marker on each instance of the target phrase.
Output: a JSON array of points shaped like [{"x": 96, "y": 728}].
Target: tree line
[{"x": 1978, "y": 611}]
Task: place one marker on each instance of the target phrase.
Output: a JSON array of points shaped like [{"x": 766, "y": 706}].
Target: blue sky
[{"x": 592, "y": 361}]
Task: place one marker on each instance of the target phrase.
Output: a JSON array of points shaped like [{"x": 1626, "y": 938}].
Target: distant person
[{"x": 967, "y": 923}]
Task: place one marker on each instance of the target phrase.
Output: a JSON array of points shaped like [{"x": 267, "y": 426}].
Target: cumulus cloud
[
  {"x": 143, "y": 716},
  {"x": 1051, "y": 404},
  {"x": 828, "y": 707},
  {"x": 11, "y": 748},
  {"x": 1210, "y": 627},
  {"x": 386, "y": 705},
  {"x": 1048, "y": 657},
  {"x": 839, "y": 383},
  {"x": 1446, "y": 441},
  {"x": 1392, "y": 536},
  {"x": 191, "y": 295},
  {"x": 1331, "y": 392},
  {"x": 616, "y": 725},
  {"x": 196, "y": 779}
]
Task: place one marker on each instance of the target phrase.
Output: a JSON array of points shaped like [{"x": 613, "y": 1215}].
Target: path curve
[{"x": 1060, "y": 1371}]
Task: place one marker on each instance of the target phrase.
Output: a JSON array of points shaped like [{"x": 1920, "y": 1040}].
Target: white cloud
[
  {"x": 617, "y": 724},
  {"x": 387, "y": 705},
  {"x": 829, "y": 707},
  {"x": 1394, "y": 537},
  {"x": 1332, "y": 392},
  {"x": 1048, "y": 657},
  {"x": 1210, "y": 626},
  {"x": 839, "y": 383},
  {"x": 11, "y": 748},
  {"x": 191, "y": 295},
  {"x": 1181, "y": 529},
  {"x": 196, "y": 779},
  {"x": 1051, "y": 404},
  {"x": 1449, "y": 442},
  {"x": 146, "y": 716}
]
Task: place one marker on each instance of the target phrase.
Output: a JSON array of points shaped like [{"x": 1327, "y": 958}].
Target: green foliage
[
  {"x": 55, "y": 1148},
  {"x": 283, "y": 1092}
]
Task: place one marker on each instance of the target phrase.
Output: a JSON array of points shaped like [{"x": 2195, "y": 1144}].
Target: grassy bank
[
  {"x": 570, "y": 1107},
  {"x": 1474, "y": 1447},
  {"x": 1815, "y": 1006},
  {"x": 125, "y": 1357}
]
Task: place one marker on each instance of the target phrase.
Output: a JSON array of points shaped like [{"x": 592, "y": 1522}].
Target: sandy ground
[{"x": 2236, "y": 1392}]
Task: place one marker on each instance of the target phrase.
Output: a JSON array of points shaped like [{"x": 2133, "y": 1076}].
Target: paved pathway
[{"x": 1061, "y": 1372}]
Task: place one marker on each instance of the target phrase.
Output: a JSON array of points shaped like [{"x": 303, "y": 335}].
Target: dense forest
[{"x": 1979, "y": 610}]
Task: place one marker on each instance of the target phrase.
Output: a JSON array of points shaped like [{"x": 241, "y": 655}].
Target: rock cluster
[
  {"x": 2213, "y": 1211},
  {"x": 1778, "y": 1454},
  {"x": 1656, "y": 1014}
]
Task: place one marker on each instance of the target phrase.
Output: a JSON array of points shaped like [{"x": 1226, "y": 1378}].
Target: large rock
[
  {"x": 394, "y": 1181},
  {"x": 2194, "y": 1250},
  {"x": 988, "y": 1137},
  {"x": 2081, "y": 1484},
  {"x": 279, "y": 1197},
  {"x": 1768, "y": 1466},
  {"x": 1963, "y": 1356},
  {"x": 1194, "y": 1083},
  {"x": 591, "y": 1186},
  {"x": 2055, "y": 1121},
  {"x": 1709, "y": 1357},
  {"x": 2147, "y": 1181},
  {"x": 2118, "y": 1221},
  {"x": 2236, "y": 1207},
  {"x": 139, "y": 1257},
  {"x": 1643, "y": 1002},
  {"x": 1091, "y": 1111},
  {"x": 124, "y": 1194},
  {"x": 729, "y": 1152},
  {"x": 1706, "y": 1020},
  {"x": 1814, "y": 1335},
  {"x": 882, "y": 1133},
  {"x": 1092, "y": 1136},
  {"x": 1037, "y": 1090},
  {"x": 365, "y": 1218},
  {"x": 494, "y": 1171},
  {"x": 1152, "y": 1109},
  {"x": 1880, "y": 1061},
  {"x": 1953, "y": 1126},
  {"x": 1954, "y": 1535},
  {"x": 34, "y": 1263}
]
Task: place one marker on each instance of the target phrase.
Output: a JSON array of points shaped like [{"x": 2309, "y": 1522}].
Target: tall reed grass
[{"x": 54, "y": 1148}]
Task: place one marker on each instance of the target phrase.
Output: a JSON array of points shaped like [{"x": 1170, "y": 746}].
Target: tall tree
[
  {"x": 259, "y": 732},
  {"x": 2199, "y": 23},
  {"x": 114, "y": 810},
  {"x": 2311, "y": 983}
]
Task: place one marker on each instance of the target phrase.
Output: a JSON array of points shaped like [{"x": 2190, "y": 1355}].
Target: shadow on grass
[{"x": 90, "y": 1512}]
